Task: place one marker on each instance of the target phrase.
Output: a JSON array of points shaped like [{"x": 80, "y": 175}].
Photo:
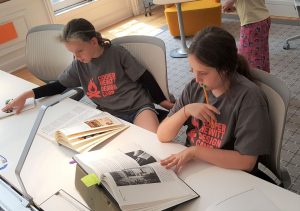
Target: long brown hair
[
  {"x": 84, "y": 30},
  {"x": 216, "y": 48}
]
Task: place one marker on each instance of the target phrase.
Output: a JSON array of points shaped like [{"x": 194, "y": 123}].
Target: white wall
[
  {"x": 28, "y": 13},
  {"x": 20, "y": 12}
]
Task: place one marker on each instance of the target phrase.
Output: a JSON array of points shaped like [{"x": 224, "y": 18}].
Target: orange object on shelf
[{"x": 7, "y": 32}]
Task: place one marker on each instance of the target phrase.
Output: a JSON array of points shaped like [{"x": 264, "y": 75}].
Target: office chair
[
  {"x": 286, "y": 45},
  {"x": 46, "y": 56},
  {"x": 278, "y": 96},
  {"x": 143, "y": 48}
]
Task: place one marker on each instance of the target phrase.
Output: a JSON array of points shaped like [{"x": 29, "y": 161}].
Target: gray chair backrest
[
  {"x": 46, "y": 55},
  {"x": 150, "y": 52},
  {"x": 278, "y": 96}
]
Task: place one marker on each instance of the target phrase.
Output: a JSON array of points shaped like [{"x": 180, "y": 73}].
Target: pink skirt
[{"x": 254, "y": 44}]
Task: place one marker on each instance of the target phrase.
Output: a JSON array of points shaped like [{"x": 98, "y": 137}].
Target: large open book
[
  {"x": 29, "y": 104},
  {"x": 86, "y": 135},
  {"x": 135, "y": 179}
]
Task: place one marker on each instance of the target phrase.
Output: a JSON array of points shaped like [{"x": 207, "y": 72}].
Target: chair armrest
[{"x": 79, "y": 93}]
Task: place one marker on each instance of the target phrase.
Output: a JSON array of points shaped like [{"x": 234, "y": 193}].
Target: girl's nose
[{"x": 198, "y": 80}]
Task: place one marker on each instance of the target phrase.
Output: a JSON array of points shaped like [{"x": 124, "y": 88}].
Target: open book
[
  {"x": 135, "y": 179},
  {"x": 29, "y": 104},
  {"x": 86, "y": 135}
]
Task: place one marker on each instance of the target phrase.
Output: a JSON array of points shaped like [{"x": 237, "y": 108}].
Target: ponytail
[
  {"x": 103, "y": 42},
  {"x": 243, "y": 68}
]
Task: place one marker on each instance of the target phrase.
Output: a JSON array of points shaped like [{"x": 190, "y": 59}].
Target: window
[{"x": 61, "y": 5}]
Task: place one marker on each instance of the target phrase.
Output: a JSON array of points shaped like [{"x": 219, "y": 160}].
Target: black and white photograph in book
[
  {"x": 141, "y": 157},
  {"x": 135, "y": 176}
]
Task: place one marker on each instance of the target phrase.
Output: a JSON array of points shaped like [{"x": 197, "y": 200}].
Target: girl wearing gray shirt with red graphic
[
  {"x": 109, "y": 75},
  {"x": 226, "y": 113}
]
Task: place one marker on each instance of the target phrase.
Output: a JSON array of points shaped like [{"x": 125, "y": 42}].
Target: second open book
[
  {"x": 85, "y": 135},
  {"x": 135, "y": 179}
]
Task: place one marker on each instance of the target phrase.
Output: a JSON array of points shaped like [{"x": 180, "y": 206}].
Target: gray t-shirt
[
  {"x": 109, "y": 81},
  {"x": 243, "y": 124}
]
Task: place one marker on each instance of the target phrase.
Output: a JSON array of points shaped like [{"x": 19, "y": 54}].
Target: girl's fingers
[
  {"x": 210, "y": 115},
  {"x": 212, "y": 108},
  {"x": 166, "y": 160}
]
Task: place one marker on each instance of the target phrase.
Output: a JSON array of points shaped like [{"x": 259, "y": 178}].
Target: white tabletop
[{"x": 47, "y": 167}]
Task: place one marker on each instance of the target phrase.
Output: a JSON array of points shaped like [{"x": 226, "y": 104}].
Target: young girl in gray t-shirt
[{"x": 226, "y": 113}]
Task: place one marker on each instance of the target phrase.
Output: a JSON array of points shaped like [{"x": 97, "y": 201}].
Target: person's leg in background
[
  {"x": 254, "y": 44},
  {"x": 147, "y": 119}
]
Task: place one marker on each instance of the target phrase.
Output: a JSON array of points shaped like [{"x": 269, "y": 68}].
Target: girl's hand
[
  {"x": 179, "y": 160},
  {"x": 202, "y": 111},
  {"x": 228, "y": 6},
  {"x": 18, "y": 103},
  {"x": 166, "y": 104}
]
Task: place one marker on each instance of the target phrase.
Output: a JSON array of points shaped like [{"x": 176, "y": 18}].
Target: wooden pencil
[{"x": 205, "y": 94}]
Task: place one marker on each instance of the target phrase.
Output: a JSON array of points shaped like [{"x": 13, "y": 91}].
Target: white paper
[
  {"x": 73, "y": 116},
  {"x": 249, "y": 200}
]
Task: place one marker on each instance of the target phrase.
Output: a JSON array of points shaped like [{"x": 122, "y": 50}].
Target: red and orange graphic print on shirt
[
  {"x": 208, "y": 134},
  {"x": 107, "y": 83}
]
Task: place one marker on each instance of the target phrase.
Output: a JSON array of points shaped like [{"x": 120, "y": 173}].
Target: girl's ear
[{"x": 94, "y": 41}]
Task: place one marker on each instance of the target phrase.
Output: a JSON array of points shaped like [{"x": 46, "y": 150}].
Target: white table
[
  {"x": 182, "y": 51},
  {"x": 47, "y": 167}
]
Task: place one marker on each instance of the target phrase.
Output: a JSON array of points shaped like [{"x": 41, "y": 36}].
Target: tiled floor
[{"x": 285, "y": 64}]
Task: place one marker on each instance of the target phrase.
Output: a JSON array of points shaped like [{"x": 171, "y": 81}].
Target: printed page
[
  {"x": 146, "y": 186},
  {"x": 101, "y": 161},
  {"x": 102, "y": 122},
  {"x": 99, "y": 140},
  {"x": 30, "y": 103},
  {"x": 77, "y": 114}
]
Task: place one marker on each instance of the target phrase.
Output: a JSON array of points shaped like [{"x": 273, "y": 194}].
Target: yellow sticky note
[{"x": 90, "y": 179}]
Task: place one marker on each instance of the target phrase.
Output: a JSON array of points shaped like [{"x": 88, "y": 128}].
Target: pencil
[{"x": 205, "y": 94}]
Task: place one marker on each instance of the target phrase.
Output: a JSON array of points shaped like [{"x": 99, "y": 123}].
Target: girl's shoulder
[
  {"x": 117, "y": 48},
  {"x": 249, "y": 90}
]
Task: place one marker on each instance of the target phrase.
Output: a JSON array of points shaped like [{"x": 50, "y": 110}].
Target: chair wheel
[{"x": 286, "y": 46}]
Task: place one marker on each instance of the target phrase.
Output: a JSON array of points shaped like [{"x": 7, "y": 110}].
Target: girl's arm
[
  {"x": 150, "y": 84},
  {"x": 229, "y": 159},
  {"x": 169, "y": 128},
  {"x": 42, "y": 91},
  {"x": 49, "y": 89}
]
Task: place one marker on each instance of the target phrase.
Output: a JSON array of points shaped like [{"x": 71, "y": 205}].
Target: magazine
[
  {"x": 29, "y": 104},
  {"x": 135, "y": 179},
  {"x": 86, "y": 135}
]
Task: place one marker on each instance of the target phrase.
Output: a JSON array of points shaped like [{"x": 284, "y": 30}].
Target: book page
[
  {"x": 99, "y": 140},
  {"x": 145, "y": 186},
  {"x": 102, "y": 122},
  {"x": 101, "y": 161},
  {"x": 29, "y": 104},
  {"x": 77, "y": 114}
]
